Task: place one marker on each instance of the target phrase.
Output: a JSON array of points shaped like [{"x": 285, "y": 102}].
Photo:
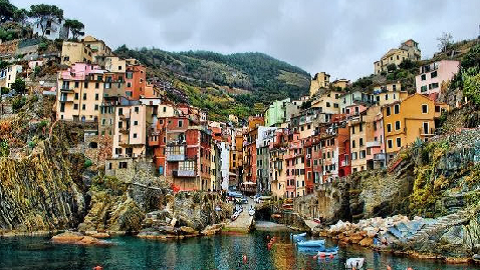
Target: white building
[{"x": 54, "y": 29}]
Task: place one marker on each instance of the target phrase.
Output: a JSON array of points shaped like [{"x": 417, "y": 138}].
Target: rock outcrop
[{"x": 39, "y": 192}]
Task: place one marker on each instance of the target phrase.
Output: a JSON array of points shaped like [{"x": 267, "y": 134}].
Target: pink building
[{"x": 433, "y": 75}]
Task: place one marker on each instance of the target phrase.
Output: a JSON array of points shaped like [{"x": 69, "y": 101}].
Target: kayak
[{"x": 311, "y": 243}]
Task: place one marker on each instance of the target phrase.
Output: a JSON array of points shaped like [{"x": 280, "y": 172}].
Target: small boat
[
  {"x": 298, "y": 237},
  {"x": 251, "y": 212},
  {"x": 356, "y": 263},
  {"x": 328, "y": 252},
  {"x": 311, "y": 243}
]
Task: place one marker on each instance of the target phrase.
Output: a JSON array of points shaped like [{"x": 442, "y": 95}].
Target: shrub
[
  {"x": 5, "y": 90},
  {"x": 87, "y": 163},
  {"x": 42, "y": 47}
]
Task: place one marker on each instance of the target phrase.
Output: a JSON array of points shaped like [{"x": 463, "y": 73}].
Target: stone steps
[{"x": 440, "y": 223}]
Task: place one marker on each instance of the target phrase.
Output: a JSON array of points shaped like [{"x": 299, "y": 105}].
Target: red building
[
  {"x": 181, "y": 152},
  {"x": 136, "y": 79}
]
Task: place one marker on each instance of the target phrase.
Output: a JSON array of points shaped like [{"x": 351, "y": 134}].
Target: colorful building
[{"x": 432, "y": 76}]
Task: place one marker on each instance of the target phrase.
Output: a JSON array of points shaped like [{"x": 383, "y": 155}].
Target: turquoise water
[{"x": 223, "y": 252}]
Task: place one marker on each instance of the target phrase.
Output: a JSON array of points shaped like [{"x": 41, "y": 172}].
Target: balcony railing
[
  {"x": 427, "y": 132},
  {"x": 373, "y": 144},
  {"x": 175, "y": 157},
  {"x": 66, "y": 89},
  {"x": 380, "y": 156},
  {"x": 184, "y": 173}
]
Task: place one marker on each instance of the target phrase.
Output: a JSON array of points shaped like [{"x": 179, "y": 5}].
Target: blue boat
[
  {"x": 311, "y": 243},
  {"x": 298, "y": 237}
]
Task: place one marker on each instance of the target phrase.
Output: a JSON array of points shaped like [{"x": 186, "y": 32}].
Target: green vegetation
[
  {"x": 224, "y": 84},
  {"x": 19, "y": 86},
  {"x": 74, "y": 26},
  {"x": 44, "y": 13}
]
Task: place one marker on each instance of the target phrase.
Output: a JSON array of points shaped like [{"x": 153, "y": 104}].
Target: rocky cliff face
[{"x": 39, "y": 192}]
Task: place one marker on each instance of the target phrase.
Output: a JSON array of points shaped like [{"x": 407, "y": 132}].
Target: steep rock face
[
  {"x": 39, "y": 192},
  {"x": 197, "y": 209}
]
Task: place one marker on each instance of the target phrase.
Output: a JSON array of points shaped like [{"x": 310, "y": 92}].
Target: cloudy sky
[{"x": 341, "y": 37}]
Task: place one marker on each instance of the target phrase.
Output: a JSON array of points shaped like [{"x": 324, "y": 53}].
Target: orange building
[{"x": 136, "y": 79}]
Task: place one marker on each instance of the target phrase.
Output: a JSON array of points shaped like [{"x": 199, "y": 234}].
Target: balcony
[
  {"x": 124, "y": 131},
  {"x": 380, "y": 157},
  {"x": 373, "y": 144},
  {"x": 427, "y": 132},
  {"x": 175, "y": 157},
  {"x": 65, "y": 99},
  {"x": 66, "y": 90},
  {"x": 184, "y": 173}
]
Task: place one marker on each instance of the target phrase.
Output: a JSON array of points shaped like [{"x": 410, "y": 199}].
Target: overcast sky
[{"x": 342, "y": 37}]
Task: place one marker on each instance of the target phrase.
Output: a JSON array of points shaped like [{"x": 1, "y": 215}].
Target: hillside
[{"x": 217, "y": 82}]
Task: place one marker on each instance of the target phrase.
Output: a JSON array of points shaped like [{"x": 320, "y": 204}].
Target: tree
[
  {"x": 75, "y": 26},
  {"x": 20, "y": 16},
  {"x": 7, "y": 10},
  {"x": 43, "y": 13},
  {"x": 445, "y": 41},
  {"x": 19, "y": 86},
  {"x": 407, "y": 64},
  {"x": 391, "y": 67}
]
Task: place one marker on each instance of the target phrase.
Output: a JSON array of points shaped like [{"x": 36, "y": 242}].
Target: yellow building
[
  {"x": 340, "y": 83},
  {"x": 320, "y": 80},
  {"x": 80, "y": 92},
  {"x": 328, "y": 102},
  {"x": 97, "y": 46},
  {"x": 75, "y": 52},
  {"x": 407, "y": 50},
  {"x": 130, "y": 132},
  {"x": 408, "y": 120}
]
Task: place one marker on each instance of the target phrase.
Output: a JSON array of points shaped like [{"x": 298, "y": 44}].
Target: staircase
[{"x": 440, "y": 225}]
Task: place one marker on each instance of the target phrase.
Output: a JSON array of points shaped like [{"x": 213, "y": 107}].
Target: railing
[
  {"x": 175, "y": 157},
  {"x": 427, "y": 132},
  {"x": 184, "y": 173},
  {"x": 373, "y": 144},
  {"x": 65, "y": 89}
]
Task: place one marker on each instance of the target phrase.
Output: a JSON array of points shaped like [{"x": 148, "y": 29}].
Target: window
[
  {"x": 129, "y": 84},
  {"x": 424, "y": 108},
  {"x": 84, "y": 96},
  {"x": 360, "y": 141},
  {"x": 135, "y": 123},
  {"x": 433, "y": 74},
  {"x": 433, "y": 86},
  {"x": 84, "y": 107},
  {"x": 77, "y": 84},
  {"x": 85, "y": 85},
  {"x": 390, "y": 144},
  {"x": 76, "y": 96},
  {"x": 389, "y": 127},
  {"x": 361, "y": 127},
  {"x": 423, "y": 88},
  {"x": 397, "y": 125},
  {"x": 136, "y": 109},
  {"x": 424, "y": 77},
  {"x": 396, "y": 109},
  {"x": 180, "y": 124},
  {"x": 164, "y": 109},
  {"x": 386, "y": 96},
  {"x": 399, "y": 142},
  {"x": 96, "y": 107},
  {"x": 353, "y": 130},
  {"x": 362, "y": 154},
  {"x": 134, "y": 135},
  {"x": 388, "y": 111},
  {"x": 96, "y": 96},
  {"x": 354, "y": 155},
  {"x": 328, "y": 104},
  {"x": 97, "y": 85},
  {"x": 353, "y": 144},
  {"x": 75, "y": 106}
]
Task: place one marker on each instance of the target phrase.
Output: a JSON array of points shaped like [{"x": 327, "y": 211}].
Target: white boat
[
  {"x": 251, "y": 212},
  {"x": 311, "y": 243},
  {"x": 298, "y": 237},
  {"x": 356, "y": 263}
]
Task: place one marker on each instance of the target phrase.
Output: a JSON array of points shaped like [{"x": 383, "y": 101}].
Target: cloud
[{"x": 341, "y": 37}]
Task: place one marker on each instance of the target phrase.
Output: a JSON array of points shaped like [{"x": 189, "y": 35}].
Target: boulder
[
  {"x": 75, "y": 238},
  {"x": 187, "y": 230},
  {"x": 67, "y": 238},
  {"x": 366, "y": 242},
  {"x": 212, "y": 229}
]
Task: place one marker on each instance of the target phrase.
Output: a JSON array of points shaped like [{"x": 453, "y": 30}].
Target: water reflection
[{"x": 217, "y": 252}]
